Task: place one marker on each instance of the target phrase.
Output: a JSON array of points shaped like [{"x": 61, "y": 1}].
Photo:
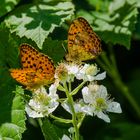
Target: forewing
[
  {"x": 29, "y": 56},
  {"x": 30, "y": 78},
  {"x": 46, "y": 67},
  {"x": 23, "y": 76},
  {"x": 33, "y": 59},
  {"x": 82, "y": 36}
]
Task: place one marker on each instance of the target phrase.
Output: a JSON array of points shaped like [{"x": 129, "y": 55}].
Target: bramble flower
[
  {"x": 72, "y": 71},
  {"x": 78, "y": 106},
  {"x": 72, "y": 68},
  {"x": 61, "y": 73},
  {"x": 89, "y": 73},
  {"x": 42, "y": 103},
  {"x": 95, "y": 102},
  {"x": 95, "y": 99},
  {"x": 98, "y": 103},
  {"x": 66, "y": 72}
]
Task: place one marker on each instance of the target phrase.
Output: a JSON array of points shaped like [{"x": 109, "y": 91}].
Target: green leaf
[
  {"x": 53, "y": 130},
  {"x": 101, "y": 5},
  {"x": 36, "y": 22},
  {"x": 54, "y": 49},
  {"x": 48, "y": 129},
  {"x": 7, "y": 5},
  {"x": 138, "y": 3},
  {"x": 12, "y": 117},
  {"x": 9, "y": 50},
  {"x": 116, "y": 25}
]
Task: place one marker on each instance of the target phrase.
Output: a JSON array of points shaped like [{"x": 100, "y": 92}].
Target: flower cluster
[
  {"x": 86, "y": 72},
  {"x": 42, "y": 103},
  {"x": 95, "y": 99}
]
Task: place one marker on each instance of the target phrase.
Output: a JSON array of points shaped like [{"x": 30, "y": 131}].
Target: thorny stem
[{"x": 111, "y": 68}]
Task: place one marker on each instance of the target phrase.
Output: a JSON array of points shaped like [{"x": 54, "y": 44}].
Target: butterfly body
[
  {"x": 37, "y": 68},
  {"x": 83, "y": 43}
]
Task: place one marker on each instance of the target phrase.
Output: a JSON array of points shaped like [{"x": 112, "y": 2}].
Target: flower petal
[
  {"x": 100, "y": 76},
  {"x": 102, "y": 91},
  {"x": 114, "y": 107},
  {"x": 87, "y": 110},
  {"x": 66, "y": 106},
  {"x": 32, "y": 113},
  {"x": 103, "y": 116},
  {"x": 86, "y": 95}
]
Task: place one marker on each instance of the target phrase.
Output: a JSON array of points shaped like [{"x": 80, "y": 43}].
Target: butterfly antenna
[{"x": 64, "y": 47}]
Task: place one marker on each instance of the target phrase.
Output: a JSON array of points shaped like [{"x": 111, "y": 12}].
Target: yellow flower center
[
  {"x": 101, "y": 104},
  {"x": 91, "y": 70}
]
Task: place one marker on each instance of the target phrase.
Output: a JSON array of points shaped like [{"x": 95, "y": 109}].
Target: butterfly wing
[
  {"x": 33, "y": 59},
  {"x": 23, "y": 76},
  {"x": 46, "y": 67},
  {"x": 37, "y": 68},
  {"x": 83, "y": 43},
  {"x": 29, "y": 78},
  {"x": 29, "y": 56}
]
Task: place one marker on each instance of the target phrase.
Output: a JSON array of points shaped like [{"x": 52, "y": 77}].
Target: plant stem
[
  {"x": 74, "y": 120},
  {"x": 40, "y": 124},
  {"x": 69, "y": 86},
  {"x": 77, "y": 88},
  {"x": 60, "y": 119},
  {"x": 81, "y": 121}
]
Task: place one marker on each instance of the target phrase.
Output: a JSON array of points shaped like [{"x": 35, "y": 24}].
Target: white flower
[
  {"x": 98, "y": 102},
  {"x": 32, "y": 113},
  {"x": 89, "y": 73},
  {"x": 72, "y": 68},
  {"x": 79, "y": 107},
  {"x": 66, "y": 72},
  {"x": 42, "y": 103}
]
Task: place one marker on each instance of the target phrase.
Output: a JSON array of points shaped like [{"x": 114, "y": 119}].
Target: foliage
[
  {"x": 114, "y": 25},
  {"x": 7, "y": 6},
  {"x": 44, "y": 24},
  {"x": 13, "y": 116},
  {"x": 30, "y": 20}
]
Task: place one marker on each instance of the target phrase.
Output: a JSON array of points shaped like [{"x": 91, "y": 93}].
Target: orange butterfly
[
  {"x": 37, "y": 68},
  {"x": 83, "y": 43}
]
